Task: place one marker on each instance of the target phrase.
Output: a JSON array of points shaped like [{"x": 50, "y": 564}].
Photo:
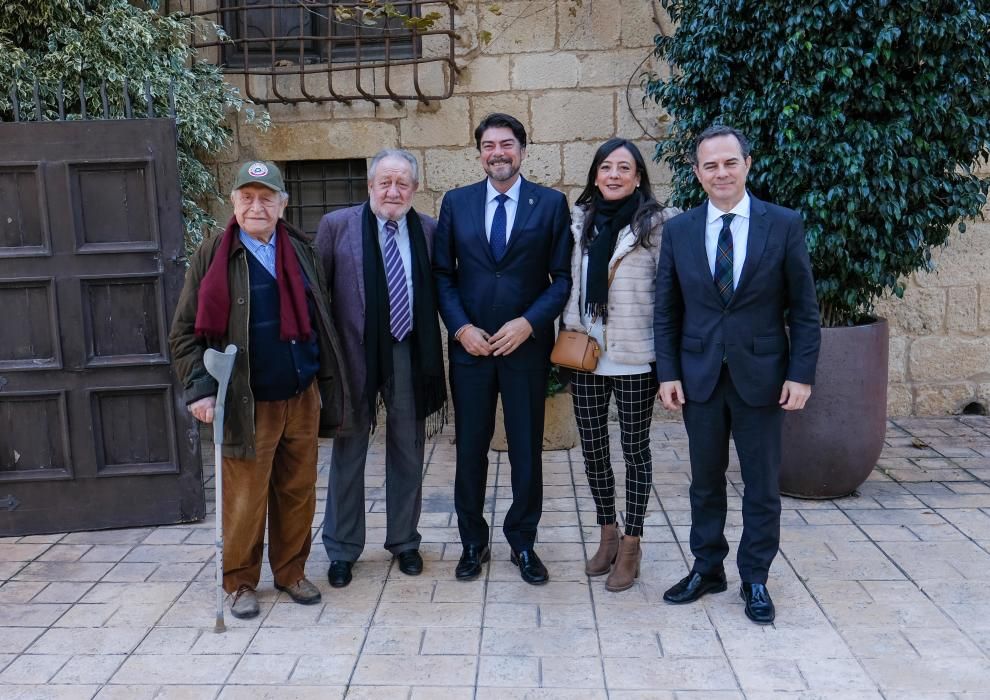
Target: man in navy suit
[
  {"x": 731, "y": 273},
  {"x": 502, "y": 263}
]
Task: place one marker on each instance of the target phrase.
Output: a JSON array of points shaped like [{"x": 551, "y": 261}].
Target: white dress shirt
[
  {"x": 402, "y": 243},
  {"x": 511, "y": 204},
  {"x": 740, "y": 235}
]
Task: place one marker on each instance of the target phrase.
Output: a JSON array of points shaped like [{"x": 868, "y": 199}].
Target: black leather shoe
[
  {"x": 759, "y": 607},
  {"x": 695, "y": 585},
  {"x": 410, "y": 562},
  {"x": 339, "y": 573},
  {"x": 473, "y": 556},
  {"x": 530, "y": 567}
]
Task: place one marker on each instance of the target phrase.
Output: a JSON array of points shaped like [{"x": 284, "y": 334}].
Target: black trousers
[
  {"x": 475, "y": 390},
  {"x": 755, "y": 430},
  {"x": 635, "y": 396}
]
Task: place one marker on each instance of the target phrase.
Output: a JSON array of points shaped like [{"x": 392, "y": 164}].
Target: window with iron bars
[
  {"x": 317, "y": 187},
  {"x": 324, "y": 50}
]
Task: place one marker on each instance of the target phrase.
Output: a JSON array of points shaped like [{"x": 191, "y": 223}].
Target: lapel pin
[{"x": 530, "y": 201}]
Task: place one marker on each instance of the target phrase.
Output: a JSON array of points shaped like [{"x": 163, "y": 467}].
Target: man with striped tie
[
  {"x": 382, "y": 297},
  {"x": 730, "y": 272}
]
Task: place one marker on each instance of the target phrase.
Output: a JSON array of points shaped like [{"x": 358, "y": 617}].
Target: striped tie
[
  {"x": 400, "y": 315},
  {"x": 723, "y": 260}
]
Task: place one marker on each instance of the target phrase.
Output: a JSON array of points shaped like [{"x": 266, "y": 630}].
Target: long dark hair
[{"x": 647, "y": 208}]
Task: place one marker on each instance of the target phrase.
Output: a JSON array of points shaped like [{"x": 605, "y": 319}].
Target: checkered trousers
[{"x": 635, "y": 395}]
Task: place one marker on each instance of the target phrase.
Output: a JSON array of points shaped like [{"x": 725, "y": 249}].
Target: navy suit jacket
[
  {"x": 693, "y": 330},
  {"x": 532, "y": 280}
]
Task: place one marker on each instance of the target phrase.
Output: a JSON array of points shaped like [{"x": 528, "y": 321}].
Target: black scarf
[
  {"x": 609, "y": 217},
  {"x": 429, "y": 387}
]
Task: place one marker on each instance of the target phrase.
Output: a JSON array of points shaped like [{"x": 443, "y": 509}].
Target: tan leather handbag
[{"x": 577, "y": 349}]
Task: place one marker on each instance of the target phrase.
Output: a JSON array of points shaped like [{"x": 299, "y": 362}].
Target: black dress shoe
[
  {"x": 759, "y": 607},
  {"x": 410, "y": 562},
  {"x": 473, "y": 556},
  {"x": 695, "y": 585},
  {"x": 339, "y": 573},
  {"x": 530, "y": 567}
]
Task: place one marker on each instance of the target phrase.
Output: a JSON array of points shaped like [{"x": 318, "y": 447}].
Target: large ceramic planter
[
  {"x": 830, "y": 448},
  {"x": 559, "y": 427}
]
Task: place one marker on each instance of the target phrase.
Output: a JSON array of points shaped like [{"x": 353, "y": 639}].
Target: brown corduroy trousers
[{"x": 281, "y": 480}]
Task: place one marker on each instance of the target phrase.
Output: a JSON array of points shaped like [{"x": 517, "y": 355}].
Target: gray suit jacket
[{"x": 338, "y": 241}]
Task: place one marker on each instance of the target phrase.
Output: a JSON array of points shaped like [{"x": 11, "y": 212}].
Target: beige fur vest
[{"x": 629, "y": 333}]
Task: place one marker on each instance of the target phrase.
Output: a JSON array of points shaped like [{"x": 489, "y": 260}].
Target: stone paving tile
[{"x": 878, "y": 595}]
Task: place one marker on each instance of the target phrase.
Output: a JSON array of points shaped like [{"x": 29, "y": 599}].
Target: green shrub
[{"x": 871, "y": 118}]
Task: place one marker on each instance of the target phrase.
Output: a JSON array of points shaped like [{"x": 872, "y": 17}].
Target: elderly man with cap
[
  {"x": 259, "y": 286},
  {"x": 376, "y": 257}
]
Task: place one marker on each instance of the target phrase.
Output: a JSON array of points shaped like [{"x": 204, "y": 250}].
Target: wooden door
[{"x": 93, "y": 430}]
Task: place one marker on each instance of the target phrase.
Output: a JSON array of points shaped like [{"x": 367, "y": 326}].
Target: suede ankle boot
[
  {"x": 607, "y": 549},
  {"x": 626, "y": 568}
]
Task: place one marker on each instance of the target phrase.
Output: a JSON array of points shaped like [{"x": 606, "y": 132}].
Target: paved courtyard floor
[{"x": 883, "y": 594}]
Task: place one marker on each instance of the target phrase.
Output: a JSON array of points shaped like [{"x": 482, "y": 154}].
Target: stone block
[
  {"x": 638, "y": 22},
  {"x": 943, "y": 399},
  {"x": 519, "y": 26},
  {"x": 542, "y": 164},
  {"x": 593, "y": 25},
  {"x": 660, "y": 173},
  {"x": 900, "y": 400},
  {"x": 577, "y": 160},
  {"x": 573, "y": 116},
  {"x": 447, "y": 169},
  {"x": 514, "y": 103},
  {"x": 607, "y": 68},
  {"x": 963, "y": 309},
  {"x": 897, "y": 359},
  {"x": 362, "y": 109},
  {"x": 949, "y": 358},
  {"x": 445, "y": 123},
  {"x": 638, "y": 119},
  {"x": 542, "y": 71},
  {"x": 426, "y": 203},
  {"x": 963, "y": 260},
  {"x": 485, "y": 74},
  {"x": 920, "y": 312},
  {"x": 321, "y": 140}
]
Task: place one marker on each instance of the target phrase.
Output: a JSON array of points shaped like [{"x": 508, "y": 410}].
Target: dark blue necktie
[
  {"x": 723, "y": 260},
  {"x": 497, "y": 238}
]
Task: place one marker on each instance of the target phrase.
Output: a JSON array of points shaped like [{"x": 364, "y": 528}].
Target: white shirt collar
[
  {"x": 513, "y": 192},
  {"x": 741, "y": 210}
]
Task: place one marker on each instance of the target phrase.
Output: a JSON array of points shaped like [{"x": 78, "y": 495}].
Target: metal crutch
[{"x": 219, "y": 365}]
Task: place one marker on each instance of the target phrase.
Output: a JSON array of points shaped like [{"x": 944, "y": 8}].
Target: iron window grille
[
  {"x": 317, "y": 187},
  {"x": 310, "y": 52}
]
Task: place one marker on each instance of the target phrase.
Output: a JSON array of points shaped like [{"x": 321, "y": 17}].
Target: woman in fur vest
[{"x": 616, "y": 224}]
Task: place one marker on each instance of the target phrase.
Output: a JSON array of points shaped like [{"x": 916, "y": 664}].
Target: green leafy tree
[
  {"x": 871, "y": 118},
  {"x": 95, "y": 40}
]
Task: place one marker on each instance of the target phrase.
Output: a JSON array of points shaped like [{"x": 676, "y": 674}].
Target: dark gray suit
[
  {"x": 732, "y": 361},
  {"x": 339, "y": 242}
]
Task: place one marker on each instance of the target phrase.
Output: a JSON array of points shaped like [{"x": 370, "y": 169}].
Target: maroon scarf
[{"x": 213, "y": 305}]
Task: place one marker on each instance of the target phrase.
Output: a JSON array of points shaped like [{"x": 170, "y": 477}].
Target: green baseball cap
[{"x": 260, "y": 172}]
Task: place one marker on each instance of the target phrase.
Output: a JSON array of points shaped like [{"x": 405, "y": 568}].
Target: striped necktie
[
  {"x": 400, "y": 315},
  {"x": 723, "y": 260}
]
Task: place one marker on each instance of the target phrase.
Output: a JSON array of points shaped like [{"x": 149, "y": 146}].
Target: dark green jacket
[{"x": 187, "y": 347}]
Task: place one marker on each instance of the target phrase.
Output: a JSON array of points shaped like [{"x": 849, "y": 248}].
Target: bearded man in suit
[{"x": 502, "y": 264}]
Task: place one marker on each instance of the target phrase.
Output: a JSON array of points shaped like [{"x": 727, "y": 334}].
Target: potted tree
[{"x": 871, "y": 119}]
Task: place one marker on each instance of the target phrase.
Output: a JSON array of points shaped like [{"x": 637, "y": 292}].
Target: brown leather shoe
[
  {"x": 608, "y": 547},
  {"x": 302, "y": 592},
  {"x": 626, "y": 569},
  {"x": 245, "y": 603}
]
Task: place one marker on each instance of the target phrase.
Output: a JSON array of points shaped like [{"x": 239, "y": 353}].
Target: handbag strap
[{"x": 615, "y": 269}]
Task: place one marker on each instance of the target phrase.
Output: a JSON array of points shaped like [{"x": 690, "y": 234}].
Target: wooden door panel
[
  {"x": 36, "y": 445},
  {"x": 23, "y": 224},
  {"x": 122, "y": 320},
  {"x": 30, "y": 337},
  {"x": 114, "y": 203}
]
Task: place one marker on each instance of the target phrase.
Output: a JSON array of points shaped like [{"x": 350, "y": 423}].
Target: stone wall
[{"x": 571, "y": 74}]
